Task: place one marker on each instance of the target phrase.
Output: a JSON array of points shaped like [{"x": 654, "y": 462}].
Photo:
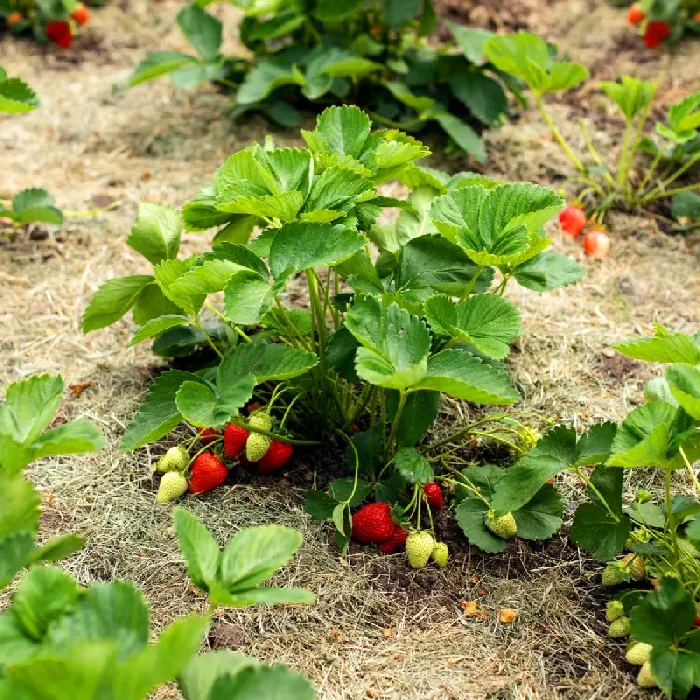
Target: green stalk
[
  {"x": 622, "y": 170},
  {"x": 689, "y": 467},
  {"x": 394, "y": 426},
  {"x": 669, "y": 512},
  {"x": 658, "y": 191},
  {"x": 210, "y": 342},
  {"x": 669, "y": 193},
  {"x": 649, "y": 174},
  {"x": 468, "y": 289},
  {"x": 273, "y": 436},
  {"x": 557, "y": 135},
  {"x": 592, "y": 487}
]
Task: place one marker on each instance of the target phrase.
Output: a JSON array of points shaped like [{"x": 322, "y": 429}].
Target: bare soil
[{"x": 378, "y": 629}]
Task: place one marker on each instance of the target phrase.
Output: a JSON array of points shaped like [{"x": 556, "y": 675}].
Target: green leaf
[
  {"x": 201, "y": 673},
  {"x": 488, "y": 322},
  {"x": 255, "y": 554},
  {"x": 631, "y": 95},
  {"x": 15, "y": 550},
  {"x": 540, "y": 517},
  {"x": 302, "y": 245},
  {"x": 267, "y": 75},
  {"x": 268, "y": 596},
  {"x": 16, "y": 96},
  {"x": 159, "y": 63},
  {"x": 471, "y": 41},
  {"x": 35, "y": 205},
  {"x": 284, "y": 206},
  {"x": 549, "y": 270},
  {"x": 341, "y": 352},
  {"x": 675, "y": 670},
  {"x": 43, "y": 596},
  {"x": 465, "y": 376},
  {"x": 673, "y": 348},
  {"x": 665, "y": 614},
  {"x": 169, "y": 272},
  {"x": 398, "y": 12},
  {"x": 418, "y": 415},
  {"x": 403, "y": 94},
  {"x": 462, "y": 134},
  {"x": 336, "y": 189},
  {"x": 20, "y": 505},
  {"x": 395, "y": 344},
  {"x": 199, "y": 548},
  {"x": 30, "y": 405},
  {"x": 152, "y": 303},
  {"x": 684, "y": 382},
  {"x": 369, "y": 446},
  {"x": 15, "y": 647},
  {"x": 112, "y": 300},
  {"x": 202, "y": 31},
  {"x": 413, "y": 466},
  {"x": 265, "y": 361},
  {"x": 342, "y": 490},
  {"x": 57, "y": 548},
  {"x": 158, "y": 414},
  {"x": 247, "y": 296},
  {"x": 319, "y": 505},
  {"x": 470, "y": 515},
  {"x": 262, "y": 683},
  {"x": 76, "y": 437},
  {"x": 482, "y": 96},
  {"x": 156, "y": 233},
  {"x": 344, "y": 130},
  {"x": 686, "y": 205},
  {"x": 202, "y": 407},
  {"x": 157, "y": 326},
  {"x": 595, "y": 530}
]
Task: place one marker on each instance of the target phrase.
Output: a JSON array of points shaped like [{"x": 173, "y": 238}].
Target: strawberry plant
[
  {"x": 60, "y": 638},
  {"x": 306, "y": 56},
  {"x": 663, "y": 540},
  {"x": 664, "y": 21},
  {"x": 56, "y": 21},
  {"x": 647, "y": 166},
  {"x": 398, "y": 313}
]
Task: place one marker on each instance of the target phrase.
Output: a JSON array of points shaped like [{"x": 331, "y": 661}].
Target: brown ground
[{"x": 377, "y": 630}]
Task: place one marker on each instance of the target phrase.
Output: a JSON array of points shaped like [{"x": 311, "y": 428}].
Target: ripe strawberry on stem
[
  {"x": 656, "y": 32},
  {"x": 433, "y": 494},
  {"x": 596, "y": 243},
  {"x": 635, "y": 14},
  {"x": 572, "y": 220},
  {"x": 207, "y": 473},
  {"x": 235, "y": 438},
  {"x": 59, "y": 33},
  {"x": 80, "y": 15},
  {"x": 276, "y": 457},
  {"x": 372, "y": 524},
  {"x": 396, "y": 543}
]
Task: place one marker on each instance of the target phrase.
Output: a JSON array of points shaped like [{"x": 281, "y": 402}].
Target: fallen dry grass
[{"x": 378, "y": 630}]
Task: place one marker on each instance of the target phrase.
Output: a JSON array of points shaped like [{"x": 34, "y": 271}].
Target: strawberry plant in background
[
  {"x": 55, "y": 21},
  {"x": 306, "y": 56},
  {"x": 648, "y": 166},
  {"x": 662, "y": 539},
  {"x": 399, "y": 312},
  {"x": 61, "y": 640},
  {"x": 664, "y": 21}
]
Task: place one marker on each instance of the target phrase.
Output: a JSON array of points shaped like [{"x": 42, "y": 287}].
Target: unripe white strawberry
[
  {"x": 614, "y": 610},
  {"x": 638, "y": 653},
  {"x": 419, "y": 547},
  {"x": 503, "y": 526},
  {"x": 174, "y": 460},
  {"x": 256, "y": 447},
  {"x": 620, "y": 628},
  {"x": 645, "y": 679},
  {"x": 440, "y": 554},
  {"x": 172, "y": 486}
]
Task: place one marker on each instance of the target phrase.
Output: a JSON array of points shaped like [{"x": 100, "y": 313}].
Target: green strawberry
[
  {"x": 172, "y": 486},
  {"x": 645, "y": 679},
  {"x": 504, "y": 526},
  {"x": 175, "y": 459},
  {"x": 619, "y": 628},
  {"x": 638, "y": 653},
  {"x": 635, "y": 567},
  {"x": 260, "y": 420},
  {"x": 611, "y": 576},
  {"x": 440, "y": 554},
  {"x": 256, "y": 447},
  {"x": 419, "y": 547},
  {"x": 614, "y": 610}
]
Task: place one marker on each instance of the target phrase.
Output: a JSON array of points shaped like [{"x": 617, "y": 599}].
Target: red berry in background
[
  {"x": 396, "y": 543},
  {"x": 80, "y": 15},
  {"x": 207, "y": 473},
  {"x": 656, "y": 32},
  {"x": 697, "y": 621},
  {"x": 14, "y": 18},
  {"x": 207, "y": 435},
  {"x": 635, "y": 14},
  {"x": 373, "y": 524},
  {"x": 277, "y": 455},
  {"x": 433, "y": 494},
  {"x": 596, "y": 243},
  {"x": 234, "y": 440},
  {"x": 59, "y": 33},
  {"x": 572, "y": 220}
]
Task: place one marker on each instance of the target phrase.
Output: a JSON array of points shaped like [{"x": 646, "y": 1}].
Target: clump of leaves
[
  {"x": 46, "y": 20},
  {"x": 664, "y": 21},
  {"x": 372, "y": 54},
  {"x": 15, "y": 95},
  {"x": 382, "y": 336},
  {"x": 59, "y": 636},
  {"x": 31, "y": 206},
  {"x": 662, "y": 434},
  {"x": 637, "y": 181}
]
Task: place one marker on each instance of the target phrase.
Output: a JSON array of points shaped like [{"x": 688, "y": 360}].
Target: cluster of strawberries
[
  {"x": 207, "y": 471},
  {"x": 373, "y": 524},
  {"x": 60, "y": 32},
  {"x": 655, "y": 31},
  {"x": 573, "y": 221}
]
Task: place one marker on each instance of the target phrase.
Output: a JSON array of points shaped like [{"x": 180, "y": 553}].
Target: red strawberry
[
  {"x": 13, "y": 18},
  {"x": 656, "y": 32},
  {"x": 596, "y": 243},
  {"x": 207, "y": 435},
  {"x": 397, "y": 541},
  {"x": 59, "y": 33},
  {"x": 697, "y": 621},
  {"x": 277, "y": 455},
  {"x": 572, "y": 220},
  {"x": 635, "y": 14},
  {"x": 234, "y": 440},
  {"x": 434, "y": 495},
  {"x": 373, "y": 523},
  {"x": 207, "y": 473},
  {"x": 81, "y": 15}
]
